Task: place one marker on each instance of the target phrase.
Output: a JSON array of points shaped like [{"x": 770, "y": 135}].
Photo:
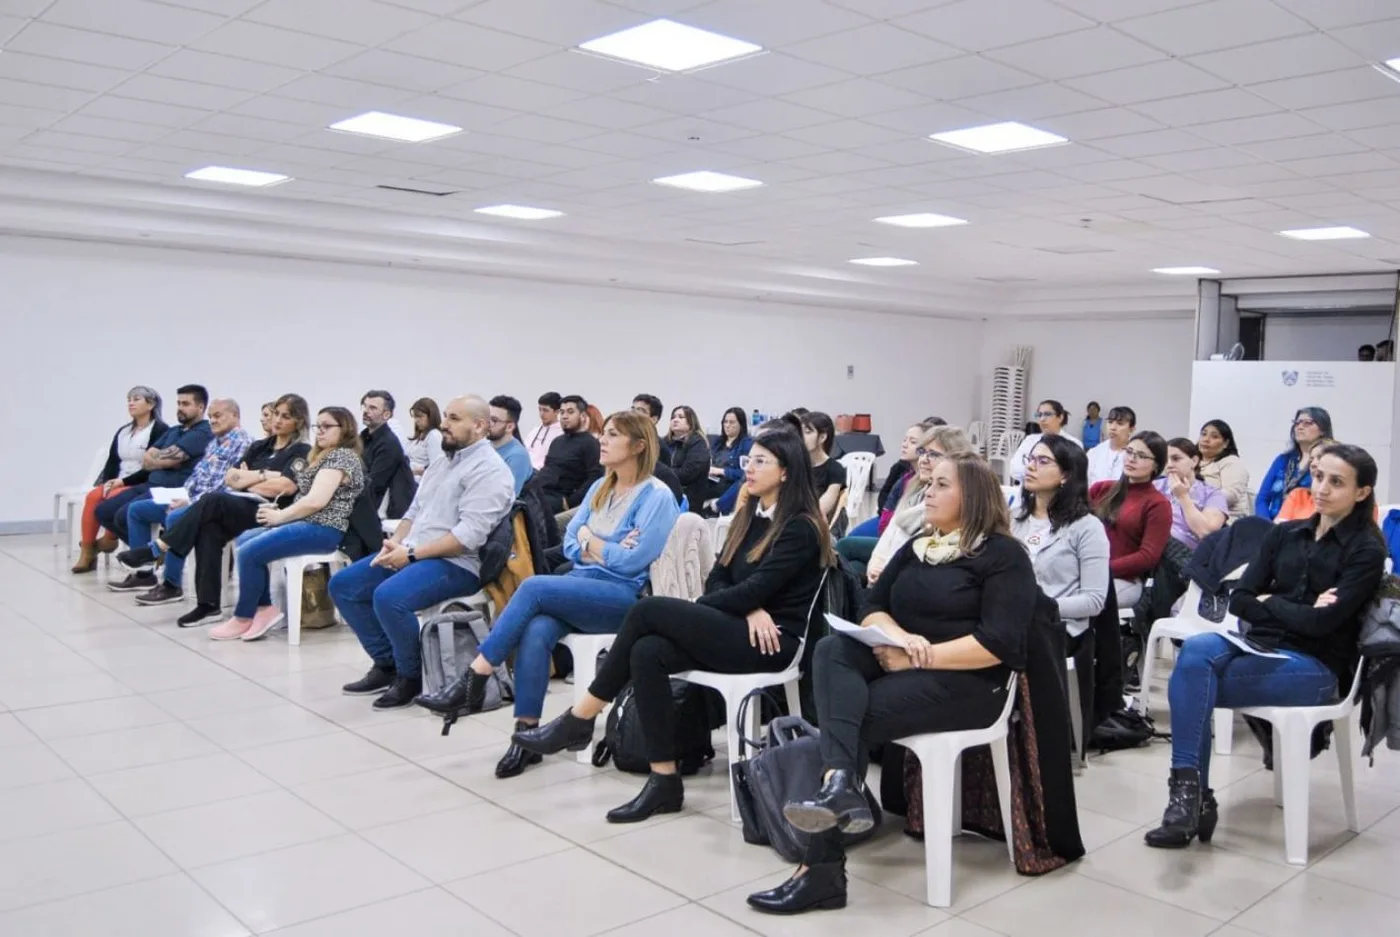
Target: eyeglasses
[
  {"x": 497, "y": 421},
  {"x": 326, "y": 427},
  {"x": 1045, "y": 414},
  {"x": 1039, "y": 461},
  {"x": 1303, "y": 422},
  {"x": 759, "y": 461},
  {"x": 1135, "y": 454},
  {"x": 922, "y": 453}
]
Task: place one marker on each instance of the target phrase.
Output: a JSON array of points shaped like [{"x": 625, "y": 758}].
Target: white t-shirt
[
  {"x": 1018, "y": 460},
  {"x": 131, "y": 448},
  {"x": 424, "y": 452},
  {"x": 1106, "y": 463}
]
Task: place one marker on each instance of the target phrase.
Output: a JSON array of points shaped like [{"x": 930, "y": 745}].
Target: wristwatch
[
  {"x": 583, "y": 543},
  {"x": 412, "y": 555}
]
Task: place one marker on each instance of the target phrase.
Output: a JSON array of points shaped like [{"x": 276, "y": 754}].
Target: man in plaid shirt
[{"x": 224, "y": 453}]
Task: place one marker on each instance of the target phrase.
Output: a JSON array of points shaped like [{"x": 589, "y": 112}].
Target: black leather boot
[
  {"x": 467, "y": 692},
  {"x": 821, "y": 888},
  {"x": 1210, "y": 815},
  {"x": 662, "y": 793},
  {"x": 1181, "y": 821},
  {"x": 566, "y": 732},
  {"x": 840, "y": 803},
  {"x": 517, "y": 759}
]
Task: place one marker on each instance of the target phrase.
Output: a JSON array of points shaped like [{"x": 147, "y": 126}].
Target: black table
[{"x": 859, "y": 442}]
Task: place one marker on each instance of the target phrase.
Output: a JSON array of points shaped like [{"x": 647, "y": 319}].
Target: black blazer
[
  {"x": 388, "y": 470},
  {"x": 109, "y": 471},
  {"x": 690, "y": 459}
]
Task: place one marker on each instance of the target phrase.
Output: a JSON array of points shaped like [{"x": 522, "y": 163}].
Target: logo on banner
[{"x": 1290, "y": 378}]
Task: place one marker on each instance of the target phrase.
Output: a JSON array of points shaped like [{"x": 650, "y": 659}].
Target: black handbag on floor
[{"x": 624, "y": 744}]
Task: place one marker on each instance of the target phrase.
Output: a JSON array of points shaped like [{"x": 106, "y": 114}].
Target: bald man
[
  {"x": 433, "y": 556},
  {"x": 224, "y": 453}
]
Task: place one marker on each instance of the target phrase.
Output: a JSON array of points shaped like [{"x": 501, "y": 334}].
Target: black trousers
[
  {"x": 111, "y": 513},
  {"x": 663, "y": 636},
  {"x": 209, "y": 525}
]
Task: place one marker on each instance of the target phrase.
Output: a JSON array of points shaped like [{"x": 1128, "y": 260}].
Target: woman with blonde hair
[
  {"x": 907, "y": 519},
  {"x": 619, "y": 531}
]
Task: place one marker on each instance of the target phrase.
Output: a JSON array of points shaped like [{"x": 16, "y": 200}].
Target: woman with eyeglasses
[
  {"x": 1221, "y": 466},
  {"x": 328, "y": 482},
  {"x": 1137, "y": 515},
  {"x": 1290, "y": 469},
  {"x": 907, "y": 520},
  {"x": 730, "y": 455},
  {"x": 1303, "y": 597},
  {"x": 1050, "y": 419},
  {"x": 1198, "y": 510},
  {"x": 857, "y": 547}
]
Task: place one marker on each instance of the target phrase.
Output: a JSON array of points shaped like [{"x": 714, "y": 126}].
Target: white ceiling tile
[
  {"x": 354, "y": 96},
  {"x": 959, "y": 78},
  {"x": 1114, "y": 170},
  {"x": 836, "y": 162},
  {"x": 1194, "y": 161},
  {"x": 768, "y": 147},
  {"x": 364, "y": 22},
  {"x": 9, "y": 26},
  {"x": 544, "y": 129},
  {"x": 607, "y": 114},
  {"x": 251, "y": 128},
  {"x": 1152, "y": 143},
  {"x": 111, "y": 129},
  {"x": 858, "y": 97},
  {"x": 45, "y": 157},
  {"x": 46, "y": 97},
  {"x": 1205, "y": 108},
  {"x": 304, "y": 114},
  {"x": 1357, "y": 116},
  {"x": 134, "y": 19},
  {"x": 1321, "y": 144},
  {"x": 185, "y": 93},
  {"x": 1216, "y": 24},
  {"x": 78, "y": 142},
  {"x": 1258, "y": 129},
  {"x": 1342, "y": 164},
  {"x": 886, "y": 9},
  {"x": 679, "y": 131},
  {"x": 769, "y": 116},
  {"x": 774, "y": 73},
  {"x": 1095, "y": 125},
  {"x": 1313, "y": 53},
  {"x": 211, "y": 69},
  {"x": 111, "y": 107},
  {"x": 562, "y": 24},
  {"x": 505, "y": 91},
  {"x": 27, "y": 8},
  {"x": 1376, "y": 138},
  {"x": 77, "y": 45},
  {"x": 1085, "y": 52},
  {"x": 658, "y": 7},
  {"x": 1033, "y": 103},
  {"x": 774, "y": 25},
  {"x": 934, "y": 118},
  {"x": 850, "y": 135},
  {"x": 1332, "y": 14},
  {"x": 486, "y": 49},
  {"x": 588, "y": 73},
  {"x": 1344, "y": 87},
  {"x": 466, "y": 114},
  {"x": 979, "y": 25},
  {"x": 396, "y": 70},
  {"x": 289, "y": 156},
  {"x": 1108, "y": 11},
  {"x": 259, "y": 43},
  {"x": 872, "y": 50},
  {"x": 683, "y": 94},
  {"x": 213, "y": 142},
  {"x": 1147, "y": 82},
  {"x": 626, "y": 145},
  {"x": 46, "y": 71}
]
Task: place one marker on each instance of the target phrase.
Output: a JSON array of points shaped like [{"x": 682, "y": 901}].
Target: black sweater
[
  {"x": 570, "y": 467},
  {"x": 138, "y": 477},
  {"x": 783, "y": 582},
  {"x": 1293, "y": 568},
  {"x": 388, "y": 471},
  {"x": 990, "y": 596},
  {"x": 690, "y": 458}
]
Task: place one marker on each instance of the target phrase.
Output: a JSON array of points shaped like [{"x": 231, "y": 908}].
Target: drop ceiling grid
[{"x": 832, "y": 117}]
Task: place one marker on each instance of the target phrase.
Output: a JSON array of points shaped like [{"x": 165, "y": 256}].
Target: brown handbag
[{"x": 317, "y": 609}]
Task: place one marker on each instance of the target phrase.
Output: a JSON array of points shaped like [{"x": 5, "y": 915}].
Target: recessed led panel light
[
  {"x": 523, "y": 212},
  {"x": 1186, "y": 271},
  {"x": 395, "y": 127},
  {"x": 1340, "y": 233},
  {"x": 230, "y": 176},
  {"x": 922, "y": 220},
  {"x": 1005, "y": 137},
  {"x": 884, "y": 262},
  {"x": 670, "y": 46},
  {"x": 706, "y": 181}
]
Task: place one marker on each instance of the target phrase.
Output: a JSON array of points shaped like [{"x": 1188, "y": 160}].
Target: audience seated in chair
[
  {"x": 328, "y": 485},
  {"x": 960, "y": 600},
  {"x": 1290, "y": 469},
  {"x": 124, "y": 468},
  {"x": 1302, "y": 597},
  {"x": 539, "y": 439},
  {"x": 432, "y": 556},
  {"x": 425, "y": 445},
  {"x": 1138, "y": 516},
  {"x": 209, "y": 524},
  {"x": 1221, "y": 467},
  {"x": 618, "y": 532},
  {"x": 169, "y": 461},
  {"x": 572, "y": 464},
  {"x": 688, "y": 455},
  {"x": 1198, "y": 509},
  {"x": 388, "y": 475},
  {"x": 649, "y": 406},
  {"x": 752, "y": 618},
  {"x": 1050, "y": 419},
  {"x": 1106, "y": 458},
  {"x": 728, "y": 456},
  {"x": 504, "y": 434},
  {"x": 210, "y": 475},
  {"x": 593, "y": 422},
  {"x": 828, "y": 475}
]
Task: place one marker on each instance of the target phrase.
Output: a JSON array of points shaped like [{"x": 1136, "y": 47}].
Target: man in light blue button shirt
[{"x": 433, "y": 556}]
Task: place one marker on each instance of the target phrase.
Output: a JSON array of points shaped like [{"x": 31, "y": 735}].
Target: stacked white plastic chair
[{"x": 859, "y": 467}]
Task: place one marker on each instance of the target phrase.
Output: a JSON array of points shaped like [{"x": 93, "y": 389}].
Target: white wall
[
  {"x": 83, "y": 322},
  {"x": 1321, "y": 337},
  {"x": 1140, "y": 363}
]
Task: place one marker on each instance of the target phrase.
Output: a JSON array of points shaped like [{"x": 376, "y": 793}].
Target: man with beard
[
  {"x": 572, "y": 464},
  {"x": 434, "y": 555},
  {"x": 386, "y": 465},
  {"x": 504, "y": 433}
]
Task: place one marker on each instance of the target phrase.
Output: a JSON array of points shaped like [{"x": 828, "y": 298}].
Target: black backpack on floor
[{"x": 624, "y": 744}]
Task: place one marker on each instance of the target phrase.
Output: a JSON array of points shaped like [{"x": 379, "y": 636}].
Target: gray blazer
[{"x": 1071, "y": 567}]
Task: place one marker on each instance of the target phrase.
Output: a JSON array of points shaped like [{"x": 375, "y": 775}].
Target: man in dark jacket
[
  {"x": 384, "y": 458},
  {"x": 572, "y": 463}
]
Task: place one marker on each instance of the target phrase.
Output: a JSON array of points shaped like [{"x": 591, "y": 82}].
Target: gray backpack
[{"x": 450, "y": 640}]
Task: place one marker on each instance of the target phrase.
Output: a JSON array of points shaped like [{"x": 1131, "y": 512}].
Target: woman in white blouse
[
  {"x": 1051, "y": 417},
  {"x": 425, "y": 445}
]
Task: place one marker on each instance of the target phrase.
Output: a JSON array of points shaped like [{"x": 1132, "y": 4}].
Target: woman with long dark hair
[
  {"x": 1198, "y": 510},
  {"x": 828, "y": 475},
  {"x": 1302, "y": 596},
  {"x": 751, "y": 619},
  {"x": 1290, "y": 469},
  {"x": 730, "y": 454},
  {"x": 1221, "y": 466},
  {"x": 424, "y": 447},
  {"x": 687, "y": 452},
  {"x": 1137, "y": 515},
  {"x": 1050, "y": 419}
]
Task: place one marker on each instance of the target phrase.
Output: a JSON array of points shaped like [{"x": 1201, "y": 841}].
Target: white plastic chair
[
  {"x": 1076, "y": 717},
  {"x": 585, "y": 649},
  {"x": 940, "y": 755},
  {"x": 68, "y": 500},
  {"x": 1293, "y": 728},
  {"x": 977, "y": 436},
  {"x": 294, "y": 569},
  {"x": 735, "y": 686},
  {"x": 859, "y": 467}
]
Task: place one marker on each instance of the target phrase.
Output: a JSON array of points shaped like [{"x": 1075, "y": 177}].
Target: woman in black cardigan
[
  {"x": 751, "y": 619},
  {"x": 123, "y": 469},
  {"x": 960, "y": 600}
]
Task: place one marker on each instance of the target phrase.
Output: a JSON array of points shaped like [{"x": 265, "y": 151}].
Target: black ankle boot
[
  {"x": 1210, "y": 815},
  {"x": 1181, "y": 821},
  {"x": 840, "y": 803},
  {"x": 517, "y": 759},
  {"x": 821, "y": 888},
  {"x": 467, "y": 692},
  {"x": 663, "y": 793},
  {"x": 564, "y": 732}
]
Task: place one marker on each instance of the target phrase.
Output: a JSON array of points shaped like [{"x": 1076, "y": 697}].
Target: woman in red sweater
[{"x": 1137, "y": 515}]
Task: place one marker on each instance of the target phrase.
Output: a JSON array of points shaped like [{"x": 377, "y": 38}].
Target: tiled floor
[{"x": 156, "y": 784}]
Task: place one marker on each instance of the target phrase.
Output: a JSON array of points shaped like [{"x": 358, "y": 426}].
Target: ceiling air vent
[
  {"x": 1076, "y": 249},
  {"x": 723, "y": 243},
  {"x": 411, "y": 191},
  {"x": 1007, "y": 279}
]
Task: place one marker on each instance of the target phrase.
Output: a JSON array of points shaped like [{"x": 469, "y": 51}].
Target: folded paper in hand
[
  {"x": 167, "y": 495},
  {"x": 871, "y": 637},
  {"x": 1250, "y": 646}
]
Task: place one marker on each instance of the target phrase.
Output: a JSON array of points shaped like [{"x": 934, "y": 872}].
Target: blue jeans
[
  {"x": 380, "y": 605},
  {"x": 111, "y": 513},
  {"x": 543, "y": 610},
  {"x": 141, "y": 516},
  {"x": 1211, "y": 672},
  {"x": 868, "y": 528},
  {"x": 263, "y": 545}
]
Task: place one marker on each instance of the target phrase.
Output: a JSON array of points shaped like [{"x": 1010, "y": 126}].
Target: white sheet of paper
[
  {"x": 871, "y": 637},
  {"x": 167, "y": 495},
  {"x": 1250, "y": 647}
]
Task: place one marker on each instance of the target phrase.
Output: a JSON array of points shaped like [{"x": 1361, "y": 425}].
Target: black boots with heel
[
  {"x": 516, "y": 759},
  {"x": 1191, "y": 813},
  {"x": 566, "y": 732}
]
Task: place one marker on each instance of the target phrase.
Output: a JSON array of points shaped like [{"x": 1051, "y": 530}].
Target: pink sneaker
[
  {"x": 266, "y": 618},
  {"x": 230, "y": 630}
]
